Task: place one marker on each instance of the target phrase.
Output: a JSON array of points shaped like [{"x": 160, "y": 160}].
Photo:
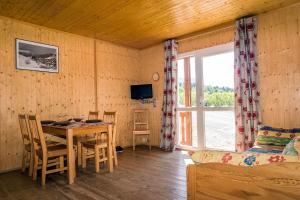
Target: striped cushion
[
  {"x": 270, "y": 149},
  {"x": 275, "y": 136}
]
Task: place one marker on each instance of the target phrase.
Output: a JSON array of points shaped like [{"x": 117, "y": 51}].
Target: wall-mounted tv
[{"x": 141, "y": 91}]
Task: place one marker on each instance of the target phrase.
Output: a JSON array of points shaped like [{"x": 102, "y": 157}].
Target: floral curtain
[
  {"x": 246, "y": 83},
  {"x": 168, "y": 130}
]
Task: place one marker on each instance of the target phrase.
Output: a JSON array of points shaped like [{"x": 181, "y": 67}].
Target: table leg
[
  {"x": 71, "y": 157},
  {"x": 109, "y": 149},
  {"x": 79, "y": 150}
]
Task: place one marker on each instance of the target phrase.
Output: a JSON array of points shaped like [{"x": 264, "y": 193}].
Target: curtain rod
[{"x": 206, "y": 32}]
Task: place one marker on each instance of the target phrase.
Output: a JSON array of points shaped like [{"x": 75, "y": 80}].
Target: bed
[
  {"x": 262, "y": 172},
  {"x": 210, "y": 181}
]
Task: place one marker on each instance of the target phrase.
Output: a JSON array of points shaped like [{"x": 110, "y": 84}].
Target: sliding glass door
[{"x": 205, "y": 109}]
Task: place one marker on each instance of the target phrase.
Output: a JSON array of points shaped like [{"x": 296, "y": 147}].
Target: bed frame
[{"x": 218, "y": 181}]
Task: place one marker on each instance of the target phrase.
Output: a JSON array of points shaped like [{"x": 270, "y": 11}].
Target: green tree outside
[{"x": 214, "y": 96}]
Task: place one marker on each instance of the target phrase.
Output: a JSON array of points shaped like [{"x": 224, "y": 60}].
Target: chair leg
[
  {"x": 79, "y": 149},
  {"x": 133, "y": 142},
  {"x": 35, "y": 166},
  {"x": 83, "y": 157},
  {"x": 97, "y": 159},
  {"x": 149, "y": 143},
  {"x": 115, "y": 157},
  {"x": 61, "y": 164},
  {"x": 103, "y": 154},
  {"x": 44, "y": 169},
  {"x": 30, "y": 164},
  {"x": 58, "y": 163},
  {"x": 24, "y": 161}
]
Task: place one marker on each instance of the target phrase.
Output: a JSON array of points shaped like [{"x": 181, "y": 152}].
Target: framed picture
[{"x": 36, "y": 56}]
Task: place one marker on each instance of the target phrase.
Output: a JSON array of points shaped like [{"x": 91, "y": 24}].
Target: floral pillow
[
  {"x": 241, "y": 159},
  {"x": 275, "y": 136}
]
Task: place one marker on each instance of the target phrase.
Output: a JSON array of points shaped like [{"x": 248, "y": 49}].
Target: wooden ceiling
[{"x": 134, "y": 23}]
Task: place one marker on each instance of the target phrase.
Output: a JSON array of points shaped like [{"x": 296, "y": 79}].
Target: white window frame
[{"x": 199, "y": 54}]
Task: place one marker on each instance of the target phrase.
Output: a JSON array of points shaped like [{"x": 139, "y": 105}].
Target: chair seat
[
  {"x": 142, "y": 132},
  {"x": 55, "y": 151},
  {"x": 52, "y": 143},
  {"x": 92, "y": 144}
]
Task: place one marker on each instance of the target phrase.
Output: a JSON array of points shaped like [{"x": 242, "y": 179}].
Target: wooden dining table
[{"x": 77, "y": 129}]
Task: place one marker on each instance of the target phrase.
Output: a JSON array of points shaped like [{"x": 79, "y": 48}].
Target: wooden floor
[{"x": 141, "y": 174}]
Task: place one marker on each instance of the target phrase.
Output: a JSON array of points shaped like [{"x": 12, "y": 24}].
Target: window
[{"x": 206, "y": 99}]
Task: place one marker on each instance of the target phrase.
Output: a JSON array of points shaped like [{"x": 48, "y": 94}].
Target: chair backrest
[
  {"x": 23, "y": 122},
  {"x": 37, "y": 134},
  {"x": 111, "y": 117},
  {"x": 93, "y": 115},
  {"x": 140, "y": 119}
]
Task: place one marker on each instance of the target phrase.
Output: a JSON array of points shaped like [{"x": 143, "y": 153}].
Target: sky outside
[{"x": 217, "y": 70}]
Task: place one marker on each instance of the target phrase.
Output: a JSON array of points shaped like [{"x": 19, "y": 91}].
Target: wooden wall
[
  {"x": 118, "y": 68},
  {"x": 279, "y": 62},
  {"x": 152, "y": 60},
  {"x": 69, "y": 93},
  {"x": 72, "y": 91}
]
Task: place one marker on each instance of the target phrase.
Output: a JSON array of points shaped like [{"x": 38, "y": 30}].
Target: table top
[{"x": 76, "y": 125}]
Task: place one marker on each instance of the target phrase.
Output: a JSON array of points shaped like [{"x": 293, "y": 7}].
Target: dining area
[{"x": 64, "y": 146}]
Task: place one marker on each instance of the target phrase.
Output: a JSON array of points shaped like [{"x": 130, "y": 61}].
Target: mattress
[{"x": 253, "y": 157}]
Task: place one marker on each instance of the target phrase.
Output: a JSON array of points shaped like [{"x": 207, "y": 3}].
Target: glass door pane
[
  {"x": 218, "y": 80},
  {"x": 186, "y": 102},
  {"x": 219, "y": 130}
]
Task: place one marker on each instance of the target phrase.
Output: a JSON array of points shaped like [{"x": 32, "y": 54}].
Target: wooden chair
[
  {"x": 140, "y": 125},
  {"x": 97, "y": 149},
  {"x": 27, "y": 159},
  {"x": 111, "y": 117},
  {"x": 50, "y": 156},
  {"x": 91, "y": 137},
  {"x": 94, "y": 149},
  {"x": 93, "y": 115}
]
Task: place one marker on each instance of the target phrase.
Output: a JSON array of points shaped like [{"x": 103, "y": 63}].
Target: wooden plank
[
  {"x": 191, "y": 181},
  {"x": 155, "y": 175},
  {"x": 71, "y": 157},
  {"x": 137, "y": 24},
  {"x": 69, "y": 93},
  {"x": 219, "y": 181}
]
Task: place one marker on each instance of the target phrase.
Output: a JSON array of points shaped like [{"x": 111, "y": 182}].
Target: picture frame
[{"x": 36, "y": 56}]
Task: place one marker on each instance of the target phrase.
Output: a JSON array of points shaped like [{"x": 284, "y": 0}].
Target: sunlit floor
[{"x": 155, "y": 175}]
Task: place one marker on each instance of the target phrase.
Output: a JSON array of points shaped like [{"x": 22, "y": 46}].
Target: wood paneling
[
  {"x": 152, "y": 60},
  {"x": 279, "y": 61},
  {"x": 69, "y": 93},
  {"x": 117, "y": 69},
  {"x": 221, "y": 181},
  {"x": 74, "y": 90},
  {"x": 132, "y": 22},
  {"x": 155, "y": 175},
  {"x": 52, "y": 95}
]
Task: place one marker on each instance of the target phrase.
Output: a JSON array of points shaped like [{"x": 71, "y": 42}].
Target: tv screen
[{"x": 141, "y": 91}]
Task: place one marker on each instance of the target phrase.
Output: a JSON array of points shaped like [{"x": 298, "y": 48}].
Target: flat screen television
[{"x": 141, "y": 91}]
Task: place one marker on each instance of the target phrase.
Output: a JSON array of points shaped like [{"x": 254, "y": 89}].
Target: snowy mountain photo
[{"x": 36, "y": 56}]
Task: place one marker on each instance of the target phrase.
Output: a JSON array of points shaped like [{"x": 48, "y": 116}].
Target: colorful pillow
[
  {"x": 271, "y": 149},
  {"x": 241, "y": 159},
  {"x": 275, "y": 136},
  {"x": 293, "y": 147}
]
